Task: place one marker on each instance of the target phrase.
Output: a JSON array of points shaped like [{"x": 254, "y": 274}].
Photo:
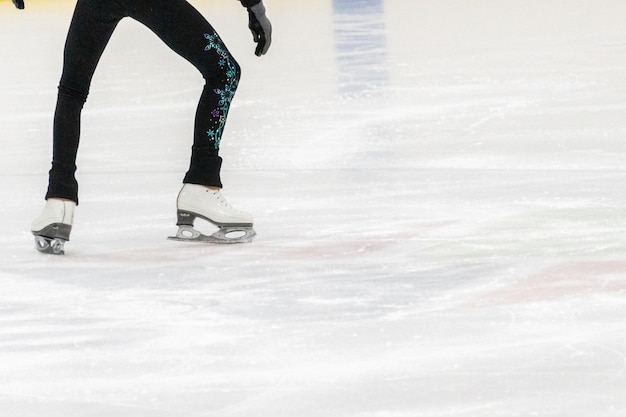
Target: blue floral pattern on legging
[{"x": 226, "y": 95}]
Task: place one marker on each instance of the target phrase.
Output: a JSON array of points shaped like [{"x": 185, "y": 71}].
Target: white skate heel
[
  {"x": 52, "y": 228},
  {"x": 198, "y": 201}
]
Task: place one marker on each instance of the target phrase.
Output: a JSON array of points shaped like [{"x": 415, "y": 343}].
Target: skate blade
[
  {"x": 225, "y": 235},
  {"x": 49, "y": 246}
]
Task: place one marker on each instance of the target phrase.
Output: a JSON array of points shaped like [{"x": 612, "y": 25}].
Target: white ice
[{"x": 438, "y": 191}]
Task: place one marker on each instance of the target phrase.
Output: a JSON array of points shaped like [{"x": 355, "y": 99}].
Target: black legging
[{"x": 186, "y": 32}]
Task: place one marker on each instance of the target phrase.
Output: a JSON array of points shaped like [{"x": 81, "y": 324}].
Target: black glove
[
  {"x": 19, "y": 3},
  {"x": 260, "y": 27}
]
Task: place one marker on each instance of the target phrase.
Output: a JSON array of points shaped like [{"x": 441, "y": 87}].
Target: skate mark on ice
[
  {"x": 342, "y": 245},
  {"x": 565, "y": 280}
]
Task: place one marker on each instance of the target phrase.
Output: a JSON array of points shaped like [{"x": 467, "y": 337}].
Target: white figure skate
[
  {"x": 199, "y": 201},
  {"x": 52, "y": 228}
]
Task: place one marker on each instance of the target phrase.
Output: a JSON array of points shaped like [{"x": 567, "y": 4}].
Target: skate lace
[{"x": 222, "y": 200}]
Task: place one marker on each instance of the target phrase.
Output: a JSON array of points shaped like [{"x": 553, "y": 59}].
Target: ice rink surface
[{"x": 438, "y": 191}]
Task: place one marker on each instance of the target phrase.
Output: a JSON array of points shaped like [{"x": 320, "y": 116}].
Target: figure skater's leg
[
  {"x": 92, "y": 24},
  {"x": 189, "y": 34}
]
